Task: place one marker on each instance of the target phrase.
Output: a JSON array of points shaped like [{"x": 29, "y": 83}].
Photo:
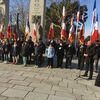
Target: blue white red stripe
[
  {"x": 94, "y": 13},
  {"x": 95, "y": 34}
]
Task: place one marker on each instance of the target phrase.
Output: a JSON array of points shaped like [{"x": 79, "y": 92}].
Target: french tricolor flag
[
  {"x": 78, "y": 12},
  {"x": 94, "y": 13},
  {"x": 81, "y": 34},
  {"x": 72, "y": 34},
  {"x": 63, "y": 14},
  {"x": 63, "y": 30},
  {"x": 95, "y": 34}
]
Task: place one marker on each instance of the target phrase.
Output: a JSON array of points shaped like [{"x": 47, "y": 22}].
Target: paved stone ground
[{"x": 29, "y": 83}]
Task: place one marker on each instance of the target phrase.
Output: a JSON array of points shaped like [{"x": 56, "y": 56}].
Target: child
[{"x": 50, "y": 52}]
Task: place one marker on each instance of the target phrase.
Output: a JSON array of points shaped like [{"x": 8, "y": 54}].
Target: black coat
[
  {"x": 97, "y": 52},
  {"x": 25, "y": 50},
  {"x": 60, "y": 49},
  {"x": 14, "y": 51},
  {"x": 70, "y": 50},
  {"x": 30, "y": 46},
  {"x": 40, "y": 49},
  {"x": 6, "y": 48}
]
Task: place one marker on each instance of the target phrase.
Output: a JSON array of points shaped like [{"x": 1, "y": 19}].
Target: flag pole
[{"x": 76, "y": 35}]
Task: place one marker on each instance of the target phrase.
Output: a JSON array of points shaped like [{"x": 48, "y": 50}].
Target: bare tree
[{"x": 20, "y": 7}]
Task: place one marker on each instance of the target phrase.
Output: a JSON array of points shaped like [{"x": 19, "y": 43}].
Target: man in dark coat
[
  {"x": 70, "y": 51},
  {"x": 80, "y": 54},
  {"x": 40, "y": 51},
  {"x": 31, "y": 49},
  {"x": 89, "y": 56},
  {"x": 60, "y": 53},
  {"x": 25, "y": 52}
]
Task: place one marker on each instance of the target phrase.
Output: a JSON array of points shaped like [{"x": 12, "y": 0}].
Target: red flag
[
  {"x": 34, "y": 33},
  {"x": 9, "y": 35},
  {"x": 63, "y": 32},
  {"x": 95, "y": 34},
  {"x": 1, "y": 34},
  {"x": 51, "y": 33},
  {"x": 81, "y": 34},
  {"x": 71, "y": 34}
]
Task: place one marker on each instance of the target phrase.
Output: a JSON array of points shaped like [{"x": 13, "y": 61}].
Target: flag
[
  {"x": 72, "y": 21},
  {"x": 27, "y": 28},
  {"x": 1, "y": 34},
  {"x": 81, "y": 34},
  {"x": 78, "y": 12},
  {"x": 78, "y": 16},
  {"x": 34, "y": 33},
  {"x": 95, "y": 34},
  {"x": 63, "y": 30},
  {"x": 71, "y": 34},
  {"x": 63, "y": 14},
  {"x": 9, "y": 34},
  {"x": 94, "y": 13},
  {"x": 51, "y": 33}
]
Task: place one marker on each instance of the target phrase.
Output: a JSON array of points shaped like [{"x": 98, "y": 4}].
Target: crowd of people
[{"x": 28, "y": 52}]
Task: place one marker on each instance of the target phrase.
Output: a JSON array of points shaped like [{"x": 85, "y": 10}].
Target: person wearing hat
[{"x": 89, "y": 57}]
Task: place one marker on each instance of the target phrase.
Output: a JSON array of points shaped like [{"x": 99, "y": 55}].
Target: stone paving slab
[
  {"x": 14, "y": 93},
  {"x": 6, "y": 85},
  {"x": 25, "y": 88},
  {"x": 19, "y": 82},
  {"x": 44, "y": 91},
  {"x": 41, "y": 85},
  {"x": 3, "y": 98},
  {"x": 36, "y": 96},
  {"x": 11, "y": 98},
  {"x": 52, "y": 97},
  {"x": 2, "y": 89}
]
